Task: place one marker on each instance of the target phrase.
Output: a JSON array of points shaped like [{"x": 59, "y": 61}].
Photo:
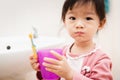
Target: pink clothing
[
  {"x": 96, "y": 66},
  {"x": 100, "y": 67}
]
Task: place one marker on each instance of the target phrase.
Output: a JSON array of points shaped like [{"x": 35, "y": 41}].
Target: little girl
[{"x": 82, "y": 60}]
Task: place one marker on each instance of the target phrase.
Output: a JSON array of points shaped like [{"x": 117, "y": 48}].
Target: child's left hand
[{"x": 58, "y": 66}]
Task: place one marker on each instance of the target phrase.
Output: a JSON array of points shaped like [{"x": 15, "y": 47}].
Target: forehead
[{"x": 82, "y": 9}]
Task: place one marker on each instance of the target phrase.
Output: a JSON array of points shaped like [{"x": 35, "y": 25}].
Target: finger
[
  {"x": 31, "y": 57},
  {"x": 52, "y": 70},
  {"x": 57, "y": 55},
  {"x": 51, "y": 66},
  {"x": 36, "y": 66},
  {"x": 56, "y": 71},
  {"x": 51, "y": 60},
  {"x": 33, "y": 61}
]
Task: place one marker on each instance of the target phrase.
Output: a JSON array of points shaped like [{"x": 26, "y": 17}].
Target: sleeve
[
  {"x": 101, "y": 70},
  {"x": 39, "y": 76}
]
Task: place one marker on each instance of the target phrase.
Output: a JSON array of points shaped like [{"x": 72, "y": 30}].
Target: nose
[{"x": 79, "y": 24}]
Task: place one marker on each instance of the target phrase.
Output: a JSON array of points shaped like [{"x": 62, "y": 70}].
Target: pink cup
[{"x": 46, "y": 75}]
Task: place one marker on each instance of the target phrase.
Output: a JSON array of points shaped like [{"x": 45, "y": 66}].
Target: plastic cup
[{"x": 46, "y": 75}]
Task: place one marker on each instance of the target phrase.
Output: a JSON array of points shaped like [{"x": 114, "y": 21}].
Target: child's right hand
[{"x": 34, "y": 63}]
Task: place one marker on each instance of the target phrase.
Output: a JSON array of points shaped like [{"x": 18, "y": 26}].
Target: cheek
[
  {"x": 68, "y": 27},
  {"x": 69, "y": 30},
  {"x": 92, "y": 32}
]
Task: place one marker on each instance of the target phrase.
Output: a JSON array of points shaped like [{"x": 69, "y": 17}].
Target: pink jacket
[{"x": 95, "y": 66}]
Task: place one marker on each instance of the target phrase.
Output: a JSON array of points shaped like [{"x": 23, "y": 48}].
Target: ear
[{"x": 102, "y": 23}]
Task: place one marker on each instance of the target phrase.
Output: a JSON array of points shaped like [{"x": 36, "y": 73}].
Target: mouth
[{"x": 79, "y": 33}]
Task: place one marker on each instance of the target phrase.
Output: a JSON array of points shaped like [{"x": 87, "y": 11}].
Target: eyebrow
[
  {"x": 86, "y": 13},
  {"x": 91, "y": 13}
]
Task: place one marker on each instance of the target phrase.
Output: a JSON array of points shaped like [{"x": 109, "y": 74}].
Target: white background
[{"x": 18, "y": 16}]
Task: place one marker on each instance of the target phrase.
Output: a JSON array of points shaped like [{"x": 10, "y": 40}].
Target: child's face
[{"x": 82, "y": 22}]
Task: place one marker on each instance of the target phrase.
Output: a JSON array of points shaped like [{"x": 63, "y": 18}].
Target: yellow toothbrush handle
[{"x": 34, "y": 52}]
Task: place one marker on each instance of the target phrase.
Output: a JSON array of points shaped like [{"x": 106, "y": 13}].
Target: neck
[
  {"x": 83, "y": 47},
  {"x": 84, "y": 44}
]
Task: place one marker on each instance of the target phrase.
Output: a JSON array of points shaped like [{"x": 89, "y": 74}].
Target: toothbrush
[{"x": 33, "y": 46}]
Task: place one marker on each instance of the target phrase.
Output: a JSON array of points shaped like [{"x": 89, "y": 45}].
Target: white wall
[
  {"x": 18, "y": 16},
  {"x": 113, "y": 40},
  {"x": 110, "y": 39}
]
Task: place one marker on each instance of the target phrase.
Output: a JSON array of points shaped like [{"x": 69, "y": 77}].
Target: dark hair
[{"x": 99, "y": 7}]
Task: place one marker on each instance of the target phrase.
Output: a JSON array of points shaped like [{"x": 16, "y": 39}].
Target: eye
[
  {"x": 89, "y": 18},
  {"x": 72, "y": 18}
]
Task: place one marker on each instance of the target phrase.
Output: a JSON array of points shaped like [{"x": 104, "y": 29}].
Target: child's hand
[
  {"x": 34, "y": 63},
  {"x": 59, "y": 66}
]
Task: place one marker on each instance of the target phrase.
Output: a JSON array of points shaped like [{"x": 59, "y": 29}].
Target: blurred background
[{"x": 17, "y": 17}]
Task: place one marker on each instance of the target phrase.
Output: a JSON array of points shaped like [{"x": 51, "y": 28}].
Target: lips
[{"x": 79, "y": 33}]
